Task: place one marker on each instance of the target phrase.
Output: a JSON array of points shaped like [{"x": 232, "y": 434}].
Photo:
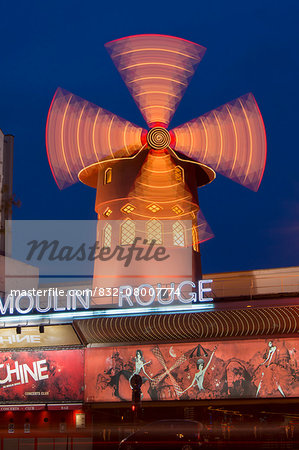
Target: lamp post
[{"x": 136, "y": 382}]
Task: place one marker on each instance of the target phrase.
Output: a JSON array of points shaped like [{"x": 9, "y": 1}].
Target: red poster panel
[
  {"x": 41, "y": 376},
  {"x": 206, "y": 370}
]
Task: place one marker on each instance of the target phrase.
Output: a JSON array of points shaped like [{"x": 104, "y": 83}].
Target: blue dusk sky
[{"x": 252, "y": 46}]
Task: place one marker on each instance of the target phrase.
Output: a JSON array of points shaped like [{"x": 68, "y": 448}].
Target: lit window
[
  {"x": 128, "y": 208},
  {"x": 179, "y": 173},
  {"x": 154, "y": 231},
  {"x": 177, "y": 209},
  {"x": 127, "y": 232},
  {"x": 108, "y": 176},
  {"x": 154, "y": 208},
  {"x": 195, "y": 239},
  {"x": 178, "y": 234},
  {"x": 107, "y": 235},
  {"x": 107, "y": 212}
]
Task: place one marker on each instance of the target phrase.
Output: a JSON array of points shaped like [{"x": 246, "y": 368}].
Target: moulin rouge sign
[{"x": 145, "y": 295}]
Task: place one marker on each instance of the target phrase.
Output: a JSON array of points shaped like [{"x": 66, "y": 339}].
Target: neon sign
[
  {"x": 163, "y": 295},
  {"x": 26, "y": 302}
]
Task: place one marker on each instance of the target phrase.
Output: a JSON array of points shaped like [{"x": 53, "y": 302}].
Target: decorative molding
[{"x": 205, "y": 325}]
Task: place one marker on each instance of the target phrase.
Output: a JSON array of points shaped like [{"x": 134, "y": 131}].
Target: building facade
[{"x": 6, "y": 180}]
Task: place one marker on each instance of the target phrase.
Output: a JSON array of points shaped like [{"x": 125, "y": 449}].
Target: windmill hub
[{"x": 158, "y": 138}]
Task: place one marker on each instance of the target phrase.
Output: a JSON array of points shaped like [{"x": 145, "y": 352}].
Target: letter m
[
  {"x": 45, "y": 245},
  {"x": 8, "y": 302}
]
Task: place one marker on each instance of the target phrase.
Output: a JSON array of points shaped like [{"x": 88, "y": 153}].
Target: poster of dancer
[{"x": 257, "y": 368}]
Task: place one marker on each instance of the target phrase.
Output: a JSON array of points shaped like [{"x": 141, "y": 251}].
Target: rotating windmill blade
[
  {"x": 230, "y": 139},
  {"x": 157, "y": 70},
  {"x": 153, "y": 176},
  {"x": 79, "y": 134}
]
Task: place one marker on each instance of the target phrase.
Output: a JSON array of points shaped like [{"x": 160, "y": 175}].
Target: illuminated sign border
[
  {"x": 76, "y": 315},
  {"x": 125, "y": 293}
]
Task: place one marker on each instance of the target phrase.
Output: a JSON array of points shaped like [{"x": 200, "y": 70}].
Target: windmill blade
[
  {"x": 79, "y": 133},
  {"x": 231, "y": 139},
  {"x": 202, "y": 231},
  {"x": 157, "y": 70}
]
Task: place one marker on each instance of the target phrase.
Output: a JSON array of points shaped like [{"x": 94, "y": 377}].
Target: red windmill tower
[{"x": 147, "y": 181}]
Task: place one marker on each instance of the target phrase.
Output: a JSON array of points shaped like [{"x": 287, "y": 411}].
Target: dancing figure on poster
[
  {"x": 199, "y": 376},
  {"x": 269, "y": 375},
  {"x": 272, "y": 349},
  {"x": 139, "y": 366}
]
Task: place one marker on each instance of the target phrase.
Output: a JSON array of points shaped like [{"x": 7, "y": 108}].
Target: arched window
[
  {"x": 178, "y": 233},
  {"x": 195, "y": 239},
  {"x": 127, "y": 232},
  {"x": 108, "y": 176},
  {"x": 154, "y": 231},
  {"x": 107, "y": 235},
  {"x": 179, "y": 173}
]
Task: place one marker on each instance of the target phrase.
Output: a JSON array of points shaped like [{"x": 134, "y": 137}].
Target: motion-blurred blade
[
  {"x": 157, "y": 70},
  {"x": 231, "y": 139},
  {"x": 79, "y": 133},
  {"x": 202, "y": 231}
]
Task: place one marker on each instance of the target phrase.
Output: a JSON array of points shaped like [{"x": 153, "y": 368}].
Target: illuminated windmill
[{"x": 147, "y": 180}]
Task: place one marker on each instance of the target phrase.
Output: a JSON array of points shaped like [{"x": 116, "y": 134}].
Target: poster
[
  {"x": 258, "y": 368},
  {"x": 41, "y": 376}
]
